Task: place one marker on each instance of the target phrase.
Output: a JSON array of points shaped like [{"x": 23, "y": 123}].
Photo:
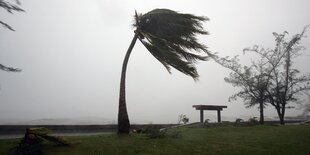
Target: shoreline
[
  {"x": 18, "y": 136},
  {"x": 6, "y": 130}
]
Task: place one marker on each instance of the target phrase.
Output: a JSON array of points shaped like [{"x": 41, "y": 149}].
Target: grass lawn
[{"x": 291, "y": 140}]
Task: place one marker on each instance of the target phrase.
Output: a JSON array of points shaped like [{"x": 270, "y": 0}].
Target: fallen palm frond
[
  {"x": 32, "y": 142},
  {"x": 44, "y": 134}
]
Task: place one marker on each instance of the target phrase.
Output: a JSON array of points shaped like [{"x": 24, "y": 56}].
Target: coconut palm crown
[{"x": 171, "y": 38}]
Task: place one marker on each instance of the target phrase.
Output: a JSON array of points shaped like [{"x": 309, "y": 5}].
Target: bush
[{"x": 183, "y": 118}]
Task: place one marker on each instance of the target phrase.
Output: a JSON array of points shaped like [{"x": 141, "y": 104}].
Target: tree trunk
[
  {"x": 282, "y": 115},
  {"x": 261, "y": 111},
  {"x": 123, "y": 120},
  {"x": 282, "y": 120},
  {"x": 278, "y": 112}
]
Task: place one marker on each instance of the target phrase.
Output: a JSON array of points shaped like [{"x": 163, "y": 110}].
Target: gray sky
[{"x": 71, "y": 52}]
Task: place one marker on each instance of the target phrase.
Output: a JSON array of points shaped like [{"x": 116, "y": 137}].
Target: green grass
[{"x": 291, "y": 140}]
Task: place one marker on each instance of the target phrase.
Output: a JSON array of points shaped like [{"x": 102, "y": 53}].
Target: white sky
[{"x": 71, "y": 52}]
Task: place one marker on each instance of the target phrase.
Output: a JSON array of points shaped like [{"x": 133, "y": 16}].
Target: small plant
[
  {"x": 239, "y": 120},
  {"x": 183, "y": 118},
  {"x": 206, "y": 123}
]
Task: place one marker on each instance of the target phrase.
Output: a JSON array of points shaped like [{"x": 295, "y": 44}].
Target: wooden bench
[{"x": 209, "y": 107}]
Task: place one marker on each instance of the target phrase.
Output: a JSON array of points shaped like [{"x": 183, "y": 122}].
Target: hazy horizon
[{"x": 71, "y": 53}]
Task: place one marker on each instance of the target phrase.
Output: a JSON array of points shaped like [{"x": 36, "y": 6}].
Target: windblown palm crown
[{"x": 170, "y": 37}]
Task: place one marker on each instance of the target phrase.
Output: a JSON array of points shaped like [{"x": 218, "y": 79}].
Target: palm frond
[
  {"x": 9, "y": 69},
  {"x": 6, "y": 25},
  {"x": 168, "y": 58},
  {"x": 171, "y": 38},
  {"x": 44, "y": 133},
  {"x": 10, "y": 7}
]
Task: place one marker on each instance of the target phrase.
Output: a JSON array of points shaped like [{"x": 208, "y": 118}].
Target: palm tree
[{"x": 171, "y": 38}]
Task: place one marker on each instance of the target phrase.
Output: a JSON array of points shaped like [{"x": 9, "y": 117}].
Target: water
[{"x": 15, "y": 136}]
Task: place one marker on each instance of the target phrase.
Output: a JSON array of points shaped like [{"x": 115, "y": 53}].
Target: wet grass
[{"x": 216, "y": 140}]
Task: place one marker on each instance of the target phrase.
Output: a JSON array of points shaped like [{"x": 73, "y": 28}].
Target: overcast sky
[{"x": 71, "y": 52}]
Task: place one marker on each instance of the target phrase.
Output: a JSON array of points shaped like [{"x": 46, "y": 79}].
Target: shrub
[
  {"x": 239, "y": 120},
  {"x": 183, "y": 118}
]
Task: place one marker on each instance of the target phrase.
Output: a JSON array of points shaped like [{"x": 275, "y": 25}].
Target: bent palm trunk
[{"x": 123, "y": 120}]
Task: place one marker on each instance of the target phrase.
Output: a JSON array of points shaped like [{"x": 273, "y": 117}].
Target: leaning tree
[
  {"x": 253, "y": 81},
  {"x": 272, "y": 79},
  {"x": 171, "y": 38},
  {"x": 287, "y": 82},
  {"x": 9, "y": 7}
]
